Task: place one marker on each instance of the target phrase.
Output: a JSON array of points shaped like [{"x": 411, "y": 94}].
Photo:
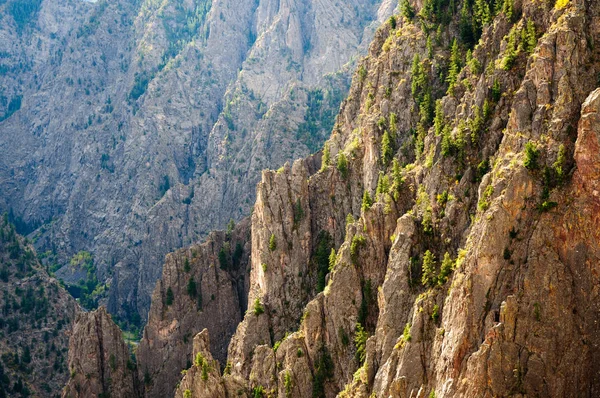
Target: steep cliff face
[
  {"x": 35, "y": 321},
  {"x": 99, "y": 359},
  {"x": 467, "y": 264},
  {"x": 131, "y": 129},
  {"x": 203, "y": 286}
]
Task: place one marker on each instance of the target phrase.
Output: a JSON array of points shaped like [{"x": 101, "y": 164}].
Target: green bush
[
  {"x": 258, "y": 308},
  {"x": 272, "y": 243}
]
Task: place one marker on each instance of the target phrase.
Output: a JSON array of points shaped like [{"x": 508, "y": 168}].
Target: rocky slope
[
  {"x": 99, "y": 360},
  {"x": 35, "y": 321},
  {"x": 130, "y": 129},
  {"x": 458, "y": 193}
]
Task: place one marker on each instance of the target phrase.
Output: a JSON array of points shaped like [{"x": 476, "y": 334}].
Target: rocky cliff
[
  {"x": 35, "y": 321},
  {"x": 99, "y": 360},
  {"x": 458, "y": 194},
  {"x": 203, "y": 286},
  {"x": 131, "y": 129}
]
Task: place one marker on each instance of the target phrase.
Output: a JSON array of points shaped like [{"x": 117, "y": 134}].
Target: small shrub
[
  {"x": 287, "y": 383},
  {"x": 258, "y": 307},
  {"x": 435, "y": 314},
  {"x": 272, "y": 243},
  {"x": 367, "y": 201},
  {"x": 357, "y": 242},
  {"x": 406, "y": 337},
  {"x": 258, "y": 392}
]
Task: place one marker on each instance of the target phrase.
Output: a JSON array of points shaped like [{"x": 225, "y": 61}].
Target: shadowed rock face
[
  {"x": 99, "y": 360},
  {"x": 470, "y": 268},
  {"x": 131, "y": 129},
  {"x": 208, "y": 284}
]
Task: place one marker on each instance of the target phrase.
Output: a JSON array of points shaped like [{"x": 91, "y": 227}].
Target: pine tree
[
  {"x": 169, "y": 299},
  {"x": 429, "y": 48},
  {"x": 445, "y": 269},
  {"x": 386, "y": 149},
  {"x": 332, "y": 258},
  {"x": 407, "y": 9},
  {"x": 191, "y": 288},
  {"x": 383, "y": 184},
  {"x": 508, "y": 8},
  {"x": 427, "y": 11},
  {"x": 342, "y": 165},
  {"x": 397, "y": 180},
  {"x": 326, "y": 157},
  {"x": 360, "y": 342},
  {"x": 428, "y": 277},
  {"x": 438, "y": 120},
  {"x": 415, "y": 73},
  {"x": 446, "y": 141},
  {"x": 487, "y": 110},
  {"x": 530, "y": 36},
  {"x": 454, "y": 69},
  {"x": 426, "y": 109},
  {"x": 483, "y": 15}
]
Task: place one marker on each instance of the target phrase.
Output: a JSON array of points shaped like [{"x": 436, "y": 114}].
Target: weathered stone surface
[
  {"x": 100, "y": 363},
  {"x": 209, "y": 288},
  {"x": 507, "y": 220}
]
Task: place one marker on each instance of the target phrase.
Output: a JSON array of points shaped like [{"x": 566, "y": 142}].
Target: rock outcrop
[
  {"x": 467, "y": 163},
  {"x": 36, "y": 316},
  {"x": 203, "y": 286},
  {"x": 100, "y": 363}
]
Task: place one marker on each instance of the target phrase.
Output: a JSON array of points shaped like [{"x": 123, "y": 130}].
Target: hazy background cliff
[{"x": 130, "y": 129}]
